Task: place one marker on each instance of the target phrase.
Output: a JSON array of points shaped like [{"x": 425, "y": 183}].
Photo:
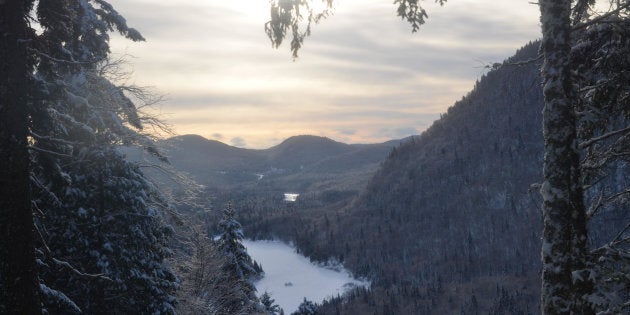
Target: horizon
[{"x": 284, "y": 140}]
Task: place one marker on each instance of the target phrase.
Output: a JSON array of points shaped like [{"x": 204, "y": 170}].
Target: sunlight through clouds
[{"x": 214, "y": 62}]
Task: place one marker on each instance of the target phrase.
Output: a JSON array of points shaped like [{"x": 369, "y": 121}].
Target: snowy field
[{"x": 289, "y": 277}]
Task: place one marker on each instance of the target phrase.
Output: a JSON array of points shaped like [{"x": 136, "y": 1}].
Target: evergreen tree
[
  {"x": 239, "y": 263},
  {"x": 18, "y": 272},
  {"x": 100, "y": 219},
  {"x": 108, "y": 224},
  {"x": 306, "y": 308},
  {"x": 270, "y": 307},
  {"x": 238, "y": 267}
]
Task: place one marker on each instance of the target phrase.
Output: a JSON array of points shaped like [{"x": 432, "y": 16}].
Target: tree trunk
[
  {"x": 564, "y": 250},
  {"x": 19, "y": 284}
]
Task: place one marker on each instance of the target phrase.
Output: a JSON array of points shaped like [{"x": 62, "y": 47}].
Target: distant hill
[
  {"x": 298, "y": 161},
  {"x": 448, "y": 224},
  {"x": 198, "y": 154},
  {"x": 298, "y": 152}
]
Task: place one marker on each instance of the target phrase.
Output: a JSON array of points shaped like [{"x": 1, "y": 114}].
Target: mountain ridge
[
  {"x": 216, "y": 164},
  {"x": 447, "y": 224}
]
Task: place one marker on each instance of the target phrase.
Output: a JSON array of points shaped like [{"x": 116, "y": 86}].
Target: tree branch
[
  {"x": 602, "y": 137},
  {"x": 601, "y": 17}
]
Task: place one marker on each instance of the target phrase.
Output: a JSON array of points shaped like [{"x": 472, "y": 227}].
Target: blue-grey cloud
[
  {"x": 238, "y": 142},
  {"x": 361, "y": 77},
  {"x": 347, "y": 132},
  {"x": 397, "y": 132}
]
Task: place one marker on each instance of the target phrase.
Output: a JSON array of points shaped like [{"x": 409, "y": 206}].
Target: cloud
[
  {"x": 397, "y": 132},
  {"x": 361, "y": 77},
  {"x": 347, "y": 132},
  {"x": 217, "y": 136},
  {"x": 238, "y": 142}
]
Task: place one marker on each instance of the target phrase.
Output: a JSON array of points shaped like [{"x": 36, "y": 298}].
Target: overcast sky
[{"x": 362, "y": 76}]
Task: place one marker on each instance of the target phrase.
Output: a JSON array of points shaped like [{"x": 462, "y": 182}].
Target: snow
[
  {"x": 290, "y": 277},
  {"x": 291, "y": 197}
]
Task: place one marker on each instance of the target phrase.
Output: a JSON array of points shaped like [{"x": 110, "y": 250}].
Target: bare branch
[
  {"x": 76, "y": 271},
  {"x": 48, "y": 151},
  {"x": 602, "y": 17},
  {"x": 591, "y": 141}
]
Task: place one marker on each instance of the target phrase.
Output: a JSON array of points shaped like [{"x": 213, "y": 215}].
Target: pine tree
[
  {"x": 100, "y": 219},
  {"x": 108, "y": 224},
  {"x": 600, "y": 58},
  {"x": 306, "y": 308},
  {"x": 238, "y": 267},
  {"x": 239, "y": 264},
  {"x": 18, "y": 273},
  {"x": 270, "y": 307}
]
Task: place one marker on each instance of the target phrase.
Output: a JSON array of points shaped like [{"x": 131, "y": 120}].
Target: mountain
[
  {"x": 302, "y": 151},
  {"x": 198, "y": 153},
  {"x": 448, "y": 224},
  {"x": 454, "y": 207},
  {"x": 297, "y": 162}
]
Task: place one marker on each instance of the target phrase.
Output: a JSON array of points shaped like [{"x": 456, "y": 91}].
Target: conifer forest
[{"x": 345, "y": 187}]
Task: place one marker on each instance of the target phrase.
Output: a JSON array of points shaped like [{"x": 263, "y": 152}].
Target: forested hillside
[
  {"x": 449, "y": 222},
  {"x": 300, "y": 160},
  {"x": 95, "y": 219},
  {"x": 453, "y": 207}
]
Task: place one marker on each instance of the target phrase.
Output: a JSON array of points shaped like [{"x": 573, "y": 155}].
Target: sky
[{"x": 361, "y": 77}]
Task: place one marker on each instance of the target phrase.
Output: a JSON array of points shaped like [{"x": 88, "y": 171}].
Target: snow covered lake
[
  {"x": 289, "y": 276},
  {"x": 291, "y": 197}
]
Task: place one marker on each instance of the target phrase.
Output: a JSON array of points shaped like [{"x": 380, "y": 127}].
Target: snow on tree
[
  {"x": 306, "y": 308},
  {"x": 18, "y": 271},
  {"x": 238, "y": 267},
  {"x": 600, "y": 59},
  {"x": 586, "y": 96},
  {"x": 231, "y": 245},
  {"x": 270, "y": 305},
  {"x": 108, "y": 224},
  {"x": 565, "y": 236},
  {"x": 99, "y": 219}
]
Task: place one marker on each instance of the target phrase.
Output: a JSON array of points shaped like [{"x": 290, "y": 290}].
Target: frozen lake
[
  {"x": 289, "y": 276},
  {"x": 291, "y": 197}
]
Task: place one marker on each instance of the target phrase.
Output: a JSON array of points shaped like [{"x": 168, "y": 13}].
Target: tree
[
  {"x": 84, "y": 185},
  {"x": 270, "y": 305},
  {"x": 599, "y": 57},
  {"x": 585, "y": 57},
  {"x": 306, "y": 308},
  {"x": 18, "y": 273},
  {"x": 565, "y": 236},
  {"x": 230, "y": 243},
  {"x": 238, "y": 267},
  {"x": 298, "y": 16},
  {"x": 108, "y": 225},
  {"x": 42, "y": 110}
]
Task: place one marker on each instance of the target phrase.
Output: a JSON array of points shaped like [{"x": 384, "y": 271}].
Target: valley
[
  {"x": 447, "y": 221},
  {"x": 435, "y": 221}
]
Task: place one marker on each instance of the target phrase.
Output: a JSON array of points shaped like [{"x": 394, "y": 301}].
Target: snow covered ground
[{"x": 289, "y": 276}]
